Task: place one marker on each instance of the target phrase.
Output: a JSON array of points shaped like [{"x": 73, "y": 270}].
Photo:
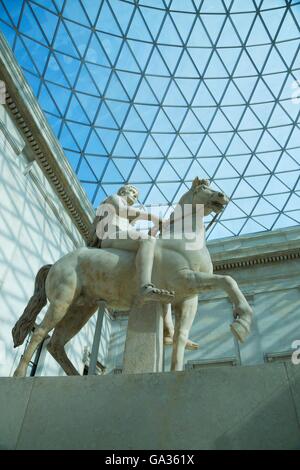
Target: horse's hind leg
[
  {"x": 75, "y": 319},
  {"x": 55, "y": 313},
  {"x": 184, "y": 316}
]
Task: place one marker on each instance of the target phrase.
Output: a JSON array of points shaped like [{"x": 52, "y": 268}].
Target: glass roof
[{"x": 156, "y": 92}]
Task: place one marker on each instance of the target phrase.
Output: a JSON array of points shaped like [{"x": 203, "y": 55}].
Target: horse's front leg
[
  {"x": 184, "y": 316},
  {"x": 241, "y": 309}
]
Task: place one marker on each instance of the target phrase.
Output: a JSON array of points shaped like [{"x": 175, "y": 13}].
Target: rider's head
[{"x": 130, "y": 192}]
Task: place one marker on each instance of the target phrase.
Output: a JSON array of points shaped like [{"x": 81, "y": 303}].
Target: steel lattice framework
[{"x": 156, "y": 92}]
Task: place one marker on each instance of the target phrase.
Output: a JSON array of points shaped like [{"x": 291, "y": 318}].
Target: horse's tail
[{"x": 39, "y": 299}]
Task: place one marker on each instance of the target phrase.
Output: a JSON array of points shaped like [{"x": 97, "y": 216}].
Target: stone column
[{"x": 144, "y": 340}]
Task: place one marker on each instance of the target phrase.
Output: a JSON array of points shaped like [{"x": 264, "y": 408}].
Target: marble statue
[{"x": 182, "y": 268}]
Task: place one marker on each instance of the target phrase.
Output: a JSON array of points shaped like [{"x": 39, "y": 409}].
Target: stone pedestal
[{"x": 144, "y": 340}]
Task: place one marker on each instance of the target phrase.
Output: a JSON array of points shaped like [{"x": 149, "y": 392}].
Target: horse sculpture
[{"x": 76, "y": 283}]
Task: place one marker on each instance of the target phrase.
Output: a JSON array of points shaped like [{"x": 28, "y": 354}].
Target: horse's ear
[{"x": 196, "y": 182}]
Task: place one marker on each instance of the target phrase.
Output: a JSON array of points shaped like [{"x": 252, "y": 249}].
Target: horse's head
[{"x": 213, "y": 201}]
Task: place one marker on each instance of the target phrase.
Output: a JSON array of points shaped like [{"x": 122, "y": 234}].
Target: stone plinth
[{"x": 144, "y": 340}]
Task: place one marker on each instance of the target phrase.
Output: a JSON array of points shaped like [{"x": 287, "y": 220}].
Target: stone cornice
[
  {"x": 48, "y": 153},
  {"x": 257, "y": 260}
]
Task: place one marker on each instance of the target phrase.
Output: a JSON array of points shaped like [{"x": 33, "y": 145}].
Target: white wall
[{"x": 35, "y": 230}]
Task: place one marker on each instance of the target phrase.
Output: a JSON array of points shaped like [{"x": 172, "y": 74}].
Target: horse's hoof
[
  {"x": 191, "y": 345},
  {"x": 239, "y": 331}
]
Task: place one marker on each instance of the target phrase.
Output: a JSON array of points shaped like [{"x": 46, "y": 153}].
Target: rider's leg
[{"x": 144, "y": 248}]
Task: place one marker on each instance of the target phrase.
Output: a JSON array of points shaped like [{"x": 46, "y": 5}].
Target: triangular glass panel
[
  {"x": 203, "y": 97},
  {"x": 267, "y": 143},
  {"x": 89, "y": 103},
  {"x": 263, "y": 110},
  {"x": 232, "y": 97},
  {"x": 130, "y": 82},
  {"x": 283, "y": 222},
  {"x": 209, "y": 164},
  {"x": 232, "y": 211},
  {"x": 249, "y": 121},
  {"x": 73, "y": 159},
  {"x": 23, "y": 57},
  {"x": 111, "y": 45},
  {"x": 237, "y": 146},
  {"x": 94, "y": 145},
  {"x": 275, "y": 186},
  {"x": 106, "y": 21},
  {"x": 220, "y": 123},
  {"x": 63, "y": 41},
  {"x": 97, "y": 164},
  {"x": 229, "y": 57},
  {"x": 124, "y": 166},
  {"x": 90, "y": 189},
  {"x": 115, "y": 89},
  {"x": 289, "y": 178},
  {"x": 256, "y": 167},
  {"x": 145, "y": 94},
  {"x": 289, "y": 28},
  {"x": 246, "y": 86},
  {"x": 208, "y": 148},
  {"x": 100, "y": 76},
  {"x": 95, "y": 52},
  {"x": 67, "y": 140},
  {"x": 47, "y": 102},
  {"x": 136, "y": 140},
  {"x": 215, "y": 68},
  {"x": 266, "y": 221},
  {"x": 293, "y": 203},
  {"x": 147, "y": 113},
  {"x": 105, "y": 117},
  {"x": 38, "y": 53},
  {"x": 171, "y": 55},
  {"x": 84, "y": 81},
  {"x": 263, "y": 207},
  {"x": 187, "y": 87},
  {"x": 176, "y": 115},
  {"x": 286, "y": 163},
  {"x": 179, "y": 149},
  {"x": 156, "y": 63},
  {"x": 47, "y": 21},
  {"x": 251, "y": 139},
  {"x": 251, "y": 227},
  {"x": 153, "y": 166},
  {"x": 243, "y": 23},
  {"x": 126, "y": 61},
  {"x": 217, "y": 87},
  {"x": 233, "y": 114},
  {"x": 219, "y": 231},
  {"x": 162, "y": 123},
  {"x": 60, "y": 95},
  {"x": 259, "y": 55},
  {"x": 225, "y": 170},
  {"x": 155, "y": 197},
  {"x": 269, "y": 159},
  {"x": 75, "y": 110},
  {"x": 204, "y": 115},
  {"x": 239, "y": 162},
  {"x": 193, "y": 141},
  {"x": 138, "y": 28},
  {"x": 288, "y": 50},
  {"x": 183, "y": 23},
  {"x": 29, "y": 26},
  {"x": 258, "y": 182},
  {"x": 168, "y": 34},
  {"x": 164, "y": 141},
  {"x": 272, "y": 19},
  {"x": 228, "y": 36},
  {"x": 153, "y": 18},
  {"x": 186, "y": 67},
  {"x": 194, "y": 170},
  {"x": 123, "y": 11},
  {"x": 244, "y": 66},
  {"x": 98, "y": 197},
  {"x": 112, "y": 174},
  {"x": 133, "y": 121},
  {"x": 180, "y": 165},
  {"x": 213, "y": 25},
  {"x": 221, "y": 140},
  {"x": 159, "y": 86},
  {"x": 108, "y": 137},
  {"x": 169, "y": 190},
  {"x": 54, "y": 73},
  {"x": 85, "y": 173},
  {"x": 244, "y": 190},
  {"x": 279, "y": 117},
  {"x": 122, "y": 148},
  {"x": 258, "y": 33},
  {"x": 141, "y": 51},
  {"x": 174, "y": 96},
  {"x": 191, "y": 123},
  {"x": 167, "y": 173},
  {"x": 199, "y": 57},
  {"x": 80, "y": 133},
  {"x": 199, "y": 37},
  {"x": 139, "y": 174},
  {"x": 151, "y": 149},
  {"x": 274, "y": 63},
  {"x": 75, "y": 12},
  {"x": 246, "y": 204}
]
